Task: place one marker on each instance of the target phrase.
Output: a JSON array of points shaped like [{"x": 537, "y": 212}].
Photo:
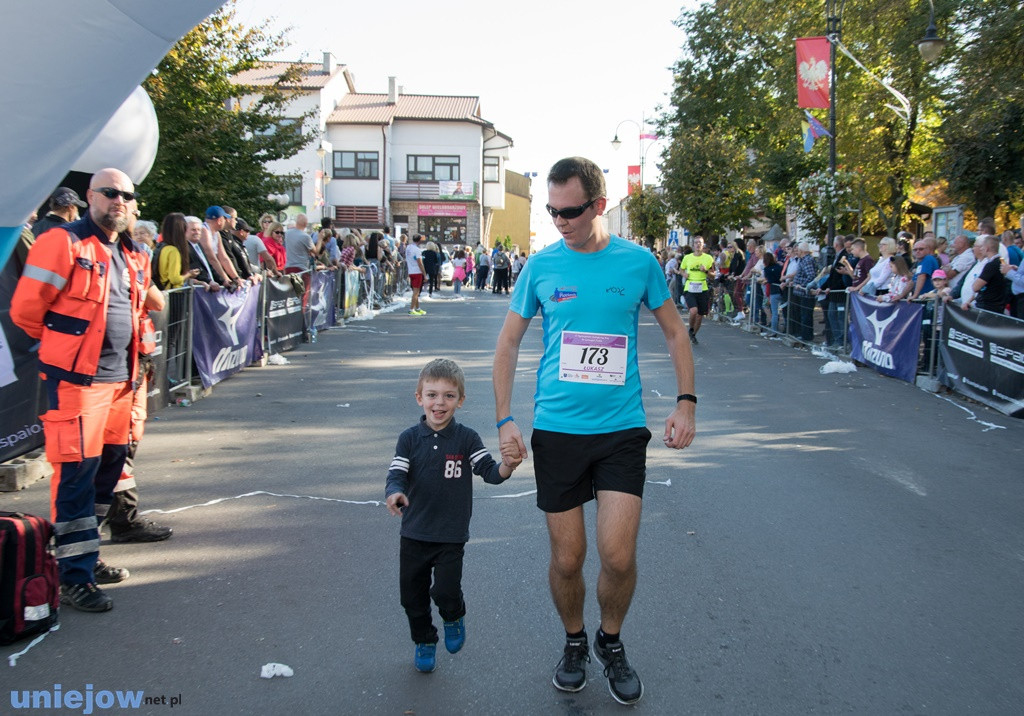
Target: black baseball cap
[{"x": 64, "y": 196}]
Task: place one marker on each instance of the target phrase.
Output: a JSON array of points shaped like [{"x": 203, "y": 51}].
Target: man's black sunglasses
[
  {"x": 112, "y": 193},
  {"x": 570, "y": 212}
]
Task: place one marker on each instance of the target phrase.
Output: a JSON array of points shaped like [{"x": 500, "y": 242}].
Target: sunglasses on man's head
[
  {"x": 570, "y": 212},
  {"x": 112, "y": 193}
]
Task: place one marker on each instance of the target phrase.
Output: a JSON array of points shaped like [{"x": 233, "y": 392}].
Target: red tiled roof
[
  {"x": 375, "y": 109},
  {"x": 313, "y": 76}
]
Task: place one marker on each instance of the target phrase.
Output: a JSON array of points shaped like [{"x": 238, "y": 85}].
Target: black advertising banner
[
  {"x": 983, "y": 357},
  {"x": 284, "y": 316},
  {"x": 21, "y": 399},
  {"x": 159, "y": 393}
]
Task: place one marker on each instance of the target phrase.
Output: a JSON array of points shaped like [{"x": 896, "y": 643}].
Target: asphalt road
[{"x": 838, "y": 543}]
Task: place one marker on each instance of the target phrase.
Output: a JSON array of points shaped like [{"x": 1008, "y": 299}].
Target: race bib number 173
[{"x": 593, "y": 358}]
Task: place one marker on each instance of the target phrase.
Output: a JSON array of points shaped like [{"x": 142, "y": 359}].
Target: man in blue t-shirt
[{"x": 590, "y": 431}]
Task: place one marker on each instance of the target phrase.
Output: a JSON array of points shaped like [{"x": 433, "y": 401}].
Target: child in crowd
[{"x": 430, "y": 485}]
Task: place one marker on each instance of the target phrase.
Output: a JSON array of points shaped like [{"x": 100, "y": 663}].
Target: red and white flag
[
  {"x": 812, "y": 72},
  {"x": 632, "y": 178}
]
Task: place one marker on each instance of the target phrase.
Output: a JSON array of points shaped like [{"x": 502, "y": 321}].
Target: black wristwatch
[{"x": 687, "y": 396}]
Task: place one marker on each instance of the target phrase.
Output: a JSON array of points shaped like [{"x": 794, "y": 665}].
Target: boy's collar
[{"x": 427, "y": 430}]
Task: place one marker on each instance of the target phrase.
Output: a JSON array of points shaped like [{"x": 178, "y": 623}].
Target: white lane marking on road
[
  {"x": 263, "y": 492},
  {"x": 666, "y": 483},
  {"x": 989, "y": 426},
  {"x": 656, "y": 392}
]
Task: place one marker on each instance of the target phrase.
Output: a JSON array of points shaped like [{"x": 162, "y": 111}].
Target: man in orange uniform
[{"x": 82, "y": 295}]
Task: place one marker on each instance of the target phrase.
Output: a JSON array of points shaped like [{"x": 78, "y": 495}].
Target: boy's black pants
[{"x": 417, "y": 560}]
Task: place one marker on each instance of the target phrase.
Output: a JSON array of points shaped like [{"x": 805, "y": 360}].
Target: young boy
[{"x": 430, "y": 484}]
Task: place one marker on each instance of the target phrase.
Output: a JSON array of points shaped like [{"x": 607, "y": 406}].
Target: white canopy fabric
[{"x": 63, "y": 81}]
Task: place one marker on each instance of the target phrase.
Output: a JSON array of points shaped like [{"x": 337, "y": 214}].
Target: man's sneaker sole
[
  {"x": 621, "y": 699},
  {"x": 569, "y": 689}
]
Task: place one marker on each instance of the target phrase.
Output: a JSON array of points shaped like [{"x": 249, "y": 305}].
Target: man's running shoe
[
  {"x": 623, "y": 683},
  {"x": 571, "y": 674},
  {"x": 85, "y": 597},
  {"x": 693, "y": 336},
  {"x": 425, "y": 658},
  {"x": 105, "y": 574},
  {"x": 454, "y": 635}
]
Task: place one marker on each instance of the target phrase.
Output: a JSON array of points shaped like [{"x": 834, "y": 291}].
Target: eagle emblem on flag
[{"x": 813, "y": 73}]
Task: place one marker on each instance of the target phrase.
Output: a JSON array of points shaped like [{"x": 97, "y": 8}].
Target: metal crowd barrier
[
  {"x": 800, "y": 312},
  {"x": 178, "y": 342}
]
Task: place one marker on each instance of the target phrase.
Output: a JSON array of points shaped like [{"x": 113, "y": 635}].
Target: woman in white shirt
[{"x": 879, "y": 275}]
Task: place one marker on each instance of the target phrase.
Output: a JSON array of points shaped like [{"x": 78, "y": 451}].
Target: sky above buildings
[{"x": 558, "y": 76}]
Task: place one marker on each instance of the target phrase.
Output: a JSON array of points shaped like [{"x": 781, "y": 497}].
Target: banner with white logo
[
  {"x": 284, "y": 315},
  {"x": 224, "y": 335},
  {"x": 21, "y": 400},
  {"x": 983, "y": 357},
  {"x": 350, "y": 296},
  {"x": 321, "y": 300},
  {"x": 886, "y": 336}
]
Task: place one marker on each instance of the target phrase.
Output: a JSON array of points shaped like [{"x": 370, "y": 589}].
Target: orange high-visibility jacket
[{"x": 62, "y": 295}]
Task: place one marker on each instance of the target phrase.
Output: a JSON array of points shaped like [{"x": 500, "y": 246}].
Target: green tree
[
  {"x": 709, "y": 182},
  {"x": 983, "y": 152},
  {"x": 212, "y": 151},
  {"x": 736, "y": 78},
  {"x": 648, "y": 215}
]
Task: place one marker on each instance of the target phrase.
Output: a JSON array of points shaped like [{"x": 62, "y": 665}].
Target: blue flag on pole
[{"x": 812, "y": 129}]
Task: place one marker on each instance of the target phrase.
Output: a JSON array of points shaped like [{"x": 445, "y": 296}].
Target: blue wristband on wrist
[{"x": 503, "y": 421}]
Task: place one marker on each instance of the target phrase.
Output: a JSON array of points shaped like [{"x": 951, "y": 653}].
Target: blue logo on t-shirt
[{"x": 563, "y": 294}]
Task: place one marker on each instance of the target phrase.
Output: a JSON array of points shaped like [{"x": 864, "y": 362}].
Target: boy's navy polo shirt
[{"x": 434, "y": 469}]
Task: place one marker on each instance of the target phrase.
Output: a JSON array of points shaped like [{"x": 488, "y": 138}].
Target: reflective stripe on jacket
[{"x": 61, "y": 299}]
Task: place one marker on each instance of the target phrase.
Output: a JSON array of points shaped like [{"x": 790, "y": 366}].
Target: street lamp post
[
  {"x": 616, "y": 142},
  {"x": 930, "y": 47}
]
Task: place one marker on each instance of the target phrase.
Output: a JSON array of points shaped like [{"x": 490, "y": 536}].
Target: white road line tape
[
  {"x": 12, "y": 660},
  {"x": 989, "y": 426},
  {"x": 263, "y": 492},
  {"x": 505, "y": 497},
  {"x": 375, "y": 503}
]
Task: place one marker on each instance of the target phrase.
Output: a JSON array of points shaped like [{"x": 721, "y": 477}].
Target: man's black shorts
[
  {"x": 571, "y": 468},
  {"x": 701, "y": 301}
]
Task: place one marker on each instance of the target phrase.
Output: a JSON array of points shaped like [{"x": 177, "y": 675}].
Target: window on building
[
  {"x": 356, "y": 165},
  {"x": 293, "y": 190},
  {"x": 284, "y": 122},
  {"x": 428, "y": 168},
  {"x": 492, "y": 165}
]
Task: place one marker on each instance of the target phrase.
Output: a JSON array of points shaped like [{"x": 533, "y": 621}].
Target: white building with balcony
[{"x": 427, "y": 164}]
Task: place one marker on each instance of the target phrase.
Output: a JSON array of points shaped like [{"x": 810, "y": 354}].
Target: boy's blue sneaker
[
  {"x": 425, "y": 657},
  {"x": 455, "y": 635}
]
